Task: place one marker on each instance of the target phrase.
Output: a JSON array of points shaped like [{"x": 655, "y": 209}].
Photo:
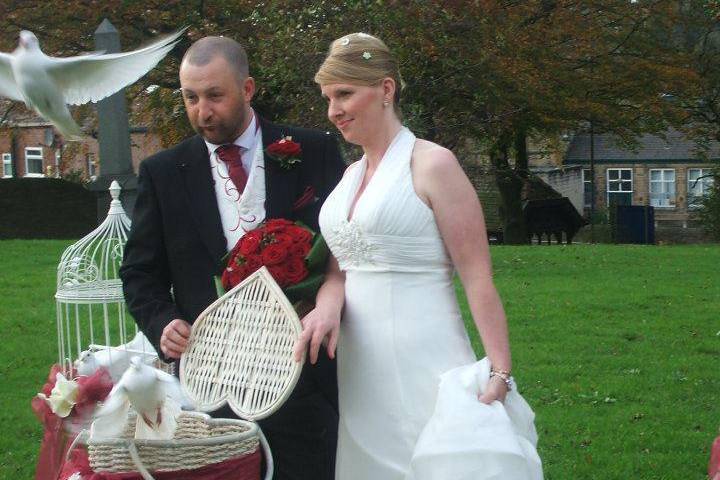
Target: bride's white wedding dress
[{"x": 401, "y": 328}]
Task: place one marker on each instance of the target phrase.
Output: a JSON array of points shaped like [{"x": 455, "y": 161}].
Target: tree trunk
[{"x": 510, "y": 184}]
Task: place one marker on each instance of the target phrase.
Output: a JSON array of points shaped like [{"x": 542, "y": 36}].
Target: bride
[{"x": 399, "y": 223}]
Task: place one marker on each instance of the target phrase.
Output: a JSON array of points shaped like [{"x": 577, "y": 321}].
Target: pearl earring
[{"x": 386, "y": 103}]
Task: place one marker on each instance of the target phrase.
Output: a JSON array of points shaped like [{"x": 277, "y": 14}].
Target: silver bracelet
[{"x": 509, "y": 382}]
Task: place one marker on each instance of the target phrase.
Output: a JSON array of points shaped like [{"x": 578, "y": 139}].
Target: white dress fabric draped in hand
[
  {"x": 401, "y": 328},
  {"x": 468, "y": 440}
]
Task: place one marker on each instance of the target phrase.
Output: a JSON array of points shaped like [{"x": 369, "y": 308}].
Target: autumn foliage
[{"x": 498, "y": 72}]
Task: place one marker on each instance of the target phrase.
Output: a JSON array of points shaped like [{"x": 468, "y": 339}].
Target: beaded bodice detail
[
  {"x": 391, "y": 229},
  {"x": 350, "y": 243}
]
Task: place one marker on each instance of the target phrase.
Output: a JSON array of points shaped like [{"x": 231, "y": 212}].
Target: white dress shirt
[{"x": 240, "y": 213}]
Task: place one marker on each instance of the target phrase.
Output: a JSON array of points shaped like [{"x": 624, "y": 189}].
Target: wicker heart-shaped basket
[
  {"x": 199, "y": 441},
  {"x": 241, "y": 349}
]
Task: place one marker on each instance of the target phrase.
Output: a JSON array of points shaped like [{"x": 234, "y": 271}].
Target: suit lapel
[
  {"x": 280, "y": 183},
  {"x": 200, "y": 196}
]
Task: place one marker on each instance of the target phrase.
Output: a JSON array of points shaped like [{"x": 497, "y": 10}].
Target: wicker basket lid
[{"x": 241, "y": 350}]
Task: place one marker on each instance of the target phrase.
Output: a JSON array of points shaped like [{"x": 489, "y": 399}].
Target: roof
[
  {"x": 17, "y": 114},
  {"x": 674, "y": 148}
]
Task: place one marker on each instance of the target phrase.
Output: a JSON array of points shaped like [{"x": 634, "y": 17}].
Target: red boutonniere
[{"x": 285, "y": 152}]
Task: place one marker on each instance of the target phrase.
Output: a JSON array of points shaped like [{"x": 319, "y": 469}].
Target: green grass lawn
[{"x": 616, "y": 348}]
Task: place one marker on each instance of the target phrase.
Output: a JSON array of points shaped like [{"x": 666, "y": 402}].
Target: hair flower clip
[
  {"x": 344, "y": 41},
  {"x": 367, "y": 55}
]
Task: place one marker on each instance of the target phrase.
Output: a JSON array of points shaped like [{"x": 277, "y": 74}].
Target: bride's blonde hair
[{"x": 360, "y": 59}]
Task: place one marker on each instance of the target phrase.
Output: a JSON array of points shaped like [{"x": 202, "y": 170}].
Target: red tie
[{"x": 230, "y": 154}]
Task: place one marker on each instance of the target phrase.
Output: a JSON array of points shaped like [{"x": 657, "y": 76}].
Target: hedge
[{"x": 45, "y": 208}]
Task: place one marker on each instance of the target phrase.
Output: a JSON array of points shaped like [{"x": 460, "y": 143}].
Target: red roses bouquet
[{"x": 294, "y": 255}]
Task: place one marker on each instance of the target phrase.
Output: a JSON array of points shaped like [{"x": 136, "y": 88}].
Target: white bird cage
[{"x": 89, "y": 297}]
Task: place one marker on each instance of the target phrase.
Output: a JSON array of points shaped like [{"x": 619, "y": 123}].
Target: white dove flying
[
  {"x": 49, "y": 84},
  {"x": 115, "y": 359},
  {"x": 155, "y": 395}
]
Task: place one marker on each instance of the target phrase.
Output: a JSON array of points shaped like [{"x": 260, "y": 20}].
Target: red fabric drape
[
  {"x": 55, "y": 441},
  {"x": 59, "y": 432},
  {"x": 246, "y": 467}
]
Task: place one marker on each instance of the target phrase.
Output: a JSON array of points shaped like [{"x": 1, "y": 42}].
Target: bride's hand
[
  {"x": 496, "y": 390},
  {"x": 318, "y": 326}
]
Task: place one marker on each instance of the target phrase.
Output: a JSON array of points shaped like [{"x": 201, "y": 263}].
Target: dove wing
[
  {"x": 8, "y": 87},
  {"x": 92, "y": 77},
  {"x": 111, "y": 418},
  {"x": 115, "y": 401},
  {"x": 174, "y": 390},
  {"x": 165, "y": 430}
]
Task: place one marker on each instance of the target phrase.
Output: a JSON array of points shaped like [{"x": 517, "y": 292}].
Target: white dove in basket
[
  {"x": 155, "y": 395},
  {"x": 115, "y": 359}
]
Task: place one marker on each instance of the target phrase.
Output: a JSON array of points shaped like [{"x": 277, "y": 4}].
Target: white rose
[{"x": 62, "y": 397}]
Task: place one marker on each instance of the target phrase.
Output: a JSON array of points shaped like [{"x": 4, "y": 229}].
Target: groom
[{"x": 196, "y": 199}]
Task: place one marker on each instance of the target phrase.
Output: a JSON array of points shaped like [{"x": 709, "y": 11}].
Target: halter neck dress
[{"x": 401, "y": 327}]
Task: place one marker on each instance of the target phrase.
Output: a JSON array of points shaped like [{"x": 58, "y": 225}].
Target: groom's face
[{"x": 216, "y": 99}]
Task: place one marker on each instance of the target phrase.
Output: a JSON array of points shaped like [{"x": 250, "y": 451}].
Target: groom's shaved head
[{"x": 206, "y": 49}]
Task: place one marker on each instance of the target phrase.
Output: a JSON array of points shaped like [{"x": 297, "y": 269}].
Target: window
[
  {"x": 662, "y": 187},
  {"x": 33, "y": 162},
  {"x": 587, "y": 188},
  {"x": 700, "y": 182},
  {"x": 58, "y": 160},
  {"x": 90, "y": 163},
  {"x": 7, "y": 165},
  {"x": 619, "y": 186}
]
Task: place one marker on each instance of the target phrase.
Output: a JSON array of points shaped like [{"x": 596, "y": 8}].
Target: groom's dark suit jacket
[{"x": 175, "y": 248}]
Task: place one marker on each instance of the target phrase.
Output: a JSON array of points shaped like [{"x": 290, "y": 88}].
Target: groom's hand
[
  {"x": 175, "y": 337},
  {"x": 318, "y": 326}
]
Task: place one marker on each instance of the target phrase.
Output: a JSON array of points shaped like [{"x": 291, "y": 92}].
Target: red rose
[
  {"x": 274, "y": 254},
  {"x": 278, "y": 273},
  {"x": 253, "y": 263},
  {"x": 295, "y": 270},
  {"x": 284, "y": 148},
  {"x": 231, "y": 277},
  {"x": 250, "y": 242},
  {"x": 300, "y": 250},
  {"x": 277, "y": 225},
  {"x": 283, "y": 239},
  {"x": 299, "y": 234}
]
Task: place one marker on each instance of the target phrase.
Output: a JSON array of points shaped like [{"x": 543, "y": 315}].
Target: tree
[
  {"x": 538, "y": 68},
  {"x": 697, "y": 33},
  {"x": 496, "y": 72}
]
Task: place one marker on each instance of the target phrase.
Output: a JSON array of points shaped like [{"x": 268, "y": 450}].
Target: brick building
[
  {"x": 670, "y": 174},
  {"x": 31, "y": 147}
]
